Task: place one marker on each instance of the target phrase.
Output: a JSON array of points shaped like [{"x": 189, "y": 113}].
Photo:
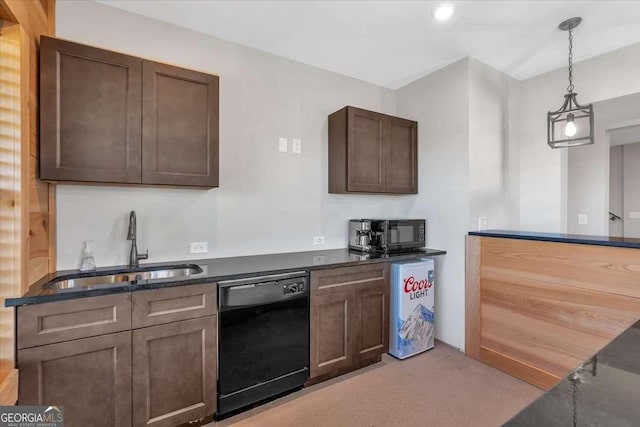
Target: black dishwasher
[{"x": 263, "y": 339}]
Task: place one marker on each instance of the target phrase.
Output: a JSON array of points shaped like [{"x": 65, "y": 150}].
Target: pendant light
[{"x": 572, "y": 124}]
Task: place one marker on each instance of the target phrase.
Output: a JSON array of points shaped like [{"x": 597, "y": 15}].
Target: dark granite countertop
[
  {"x": 603, "y": 391},
  {"x": 214, "y": 270},
  {"x": 623, "y": 242}
]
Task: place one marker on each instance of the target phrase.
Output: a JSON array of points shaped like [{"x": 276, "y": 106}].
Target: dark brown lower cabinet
[
  {"x": 349, "y": 319},
  {"x": 174, "y": 372},
  {"x": 331, "y": 349},
  {"x": 159, "y": 375},
  {"x": 372, "y": 321},
  {"x": 90, "y": 377}
]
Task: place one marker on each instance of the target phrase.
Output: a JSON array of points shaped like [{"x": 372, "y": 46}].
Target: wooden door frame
[{"x": 34, "y": 203}]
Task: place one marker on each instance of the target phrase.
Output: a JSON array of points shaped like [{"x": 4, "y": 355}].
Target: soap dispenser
[{"x": 87, "y": 262}]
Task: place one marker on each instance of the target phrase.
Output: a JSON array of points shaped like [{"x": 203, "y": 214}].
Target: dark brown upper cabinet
[
  {"x": 113, "y": 118},
  {"x": 371, "y": 152},
  {"x": 90, "y": 114},
  {"x": 179, "y": 126}
]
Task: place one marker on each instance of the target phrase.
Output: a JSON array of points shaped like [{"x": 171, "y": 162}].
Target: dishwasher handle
[{"x": 252, "y": 294}]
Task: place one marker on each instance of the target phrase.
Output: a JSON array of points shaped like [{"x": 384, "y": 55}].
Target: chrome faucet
[{"x": 134, "y": 257}]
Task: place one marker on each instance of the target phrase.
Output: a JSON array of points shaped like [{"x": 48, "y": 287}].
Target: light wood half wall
[
  {"x": 537, "y": 310},
  {"x": 27, "y": 205}
]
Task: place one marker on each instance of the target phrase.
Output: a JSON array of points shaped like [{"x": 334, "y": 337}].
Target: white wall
[
  {"x": 492, "y": 160},
  {"x": 631, "y": 189},
  {"x": 440, "y": 104},
  {"x": 464, "y": 155},
  {"x": 588, "y": 183},
  {"x": 542, "y": 171},
  {"x": 616, "y": 195},
  {"x": 588, "y": 166},
  {"x": 267, "y": 201}
]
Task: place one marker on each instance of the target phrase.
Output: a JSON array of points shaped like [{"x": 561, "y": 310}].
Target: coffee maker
[
  {"x": 360, "y": 235},
  {"x": 366, "y": 235}
]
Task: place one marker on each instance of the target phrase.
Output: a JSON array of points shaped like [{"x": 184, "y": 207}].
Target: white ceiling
[{"x": 391, "y": 43}]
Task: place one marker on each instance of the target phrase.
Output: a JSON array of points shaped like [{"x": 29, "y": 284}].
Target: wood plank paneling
[
  {"x": 38, "y": 190},
  {"x": 38, "y": 244},
  {"x": 599, "y": 268},
  {"x": 552, "y": 348},
  {"x": 538, "y": 309},
  {"x": 9, "y": 388},
  {"x": 517, "y": 368},
  {"x": 27, "y": 195},
  {"x": 597, "y": 313},
  {"x": 11, "y": 37},
  {"x": 472, "y": 297}
]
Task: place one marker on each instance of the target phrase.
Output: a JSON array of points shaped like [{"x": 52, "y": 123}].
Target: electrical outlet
[
  {"x": 582, "y": 219},
  {"x": 482, "y": 223},
  {"x": 296, "y": 146},
  {"x": 199, "y": 248},
  {"x": 283, "y": 145},
  {"x": 318, "y": 240},
  {"x": 319, "y": 260}
]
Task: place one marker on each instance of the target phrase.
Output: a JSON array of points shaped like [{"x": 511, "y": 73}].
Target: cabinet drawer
[
  {"x": 72, "y": 319},
  {"x": 166, "y": 305},
  {"x": 338, "y": 279}
]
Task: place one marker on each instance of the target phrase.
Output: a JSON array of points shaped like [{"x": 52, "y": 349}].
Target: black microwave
[{"x": 387, "y": 235}]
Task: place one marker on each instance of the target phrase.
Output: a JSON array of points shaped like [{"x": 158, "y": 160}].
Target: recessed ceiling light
[{"x": 443, "y": 12}]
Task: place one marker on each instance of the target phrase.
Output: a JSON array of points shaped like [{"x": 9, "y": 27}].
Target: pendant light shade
[{"x": 572, "y": 124}]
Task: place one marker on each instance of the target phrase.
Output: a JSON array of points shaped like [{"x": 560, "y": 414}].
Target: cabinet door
[
  {"x": 180, "y": 126},
  {"x": 371, "y": 309},
  {"x": 401, "y": 156},
  {"x": 349, "y": 317},
  {"x": 174, "y": 372},
  {"x": 90, "y": 113},
  {"x": 365, "y": 151},
  {"x": 90, "y": 377},
  {"x": 331, "y": 333}
]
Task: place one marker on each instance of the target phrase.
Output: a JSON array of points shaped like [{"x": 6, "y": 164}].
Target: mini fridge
[{"x": 411, "y": 315}]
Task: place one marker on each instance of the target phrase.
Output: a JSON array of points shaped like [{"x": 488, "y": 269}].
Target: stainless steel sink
[{"x": 121, "y": 278}]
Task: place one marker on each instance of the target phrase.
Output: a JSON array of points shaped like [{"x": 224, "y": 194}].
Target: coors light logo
[{"x": 417, "y": 288}]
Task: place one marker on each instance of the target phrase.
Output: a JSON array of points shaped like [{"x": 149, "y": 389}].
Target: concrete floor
[{"x": 441, "y": 387}]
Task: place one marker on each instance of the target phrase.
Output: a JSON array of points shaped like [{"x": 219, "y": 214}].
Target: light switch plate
[
  {"x": 199, "y": 248},
  {"x": 582, "y": 219},
  {"x": 318, "y": 240},
  {"x": 296, "y": 146},
  {"x": 482, "y": 223},
  {"x": 283, "y": 145}
]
